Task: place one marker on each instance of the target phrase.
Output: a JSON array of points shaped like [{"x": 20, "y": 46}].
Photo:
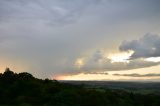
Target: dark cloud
[
  {"x": 138, "y": 75},
  {"x": 145, "y": 47}
]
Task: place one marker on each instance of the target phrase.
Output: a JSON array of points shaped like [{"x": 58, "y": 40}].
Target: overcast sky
[{"x": 54, "y": 38}]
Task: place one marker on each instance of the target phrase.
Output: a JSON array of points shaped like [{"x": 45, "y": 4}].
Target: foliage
[{"x": 25, "y": 90}]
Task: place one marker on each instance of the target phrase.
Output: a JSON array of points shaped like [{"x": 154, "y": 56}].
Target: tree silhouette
[
  {"x": 25, "y": 76},
  {"x": 8, "y": 72},
  {"x": 8, "y": 76}
]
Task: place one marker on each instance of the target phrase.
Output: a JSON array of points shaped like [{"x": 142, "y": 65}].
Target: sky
[{"x": 81, "y": 39}]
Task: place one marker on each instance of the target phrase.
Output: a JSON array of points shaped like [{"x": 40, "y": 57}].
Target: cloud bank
[
  {"x": 145, "y": 47},
  {"x": 100, "y": 63},
  {"x": 138, "y": 75}
]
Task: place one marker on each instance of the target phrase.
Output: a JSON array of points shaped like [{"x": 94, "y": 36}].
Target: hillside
[{"x": 23, "y": 89}]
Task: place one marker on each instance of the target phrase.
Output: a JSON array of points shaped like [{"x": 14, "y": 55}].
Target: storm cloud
[{"x": 147, "y": 46}]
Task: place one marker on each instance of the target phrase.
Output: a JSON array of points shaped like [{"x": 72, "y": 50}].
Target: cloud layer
[
  {"x": 138, "y": 75},
  {"x": 53, "y": 12}
]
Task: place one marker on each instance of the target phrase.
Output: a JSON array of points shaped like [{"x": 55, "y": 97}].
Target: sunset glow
[{"x": 91, "y": 77}]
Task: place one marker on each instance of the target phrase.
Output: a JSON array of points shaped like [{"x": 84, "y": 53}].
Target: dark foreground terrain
[{"x": 25, "y": 90}]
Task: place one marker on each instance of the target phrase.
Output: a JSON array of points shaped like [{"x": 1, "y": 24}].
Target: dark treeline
[{"x": 25, "y": 90}]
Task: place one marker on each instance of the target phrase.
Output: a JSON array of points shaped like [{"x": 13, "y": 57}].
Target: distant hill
[{"x": 139, "y": 87}]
